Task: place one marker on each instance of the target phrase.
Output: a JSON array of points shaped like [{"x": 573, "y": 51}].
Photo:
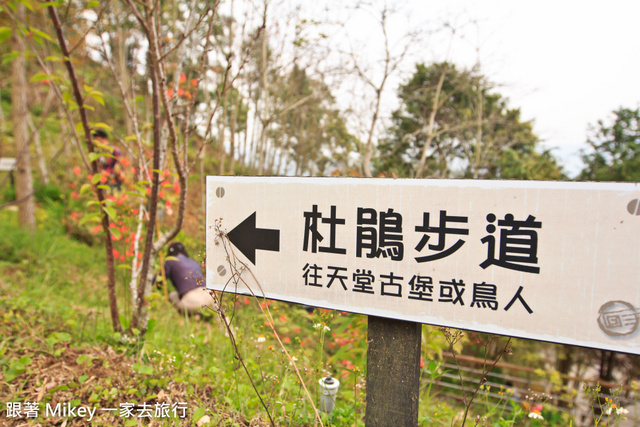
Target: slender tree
[
  {"x": 377, "y": 83},
  {"x": 19, "y": 119}
]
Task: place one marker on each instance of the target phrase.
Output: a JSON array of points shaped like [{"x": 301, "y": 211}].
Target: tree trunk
[
  {"x": 234, "y": 116},
  {"x": 476, "y": 167},
  {"x": 42, "y": 164},
  {"x": 607, "y": 363},
  {"x": 431, "y": 129},
  {"x": 265, "y": 95},
  {"x": 121, "y": 58},
  {"x": 232, "y": 136},
  {"x": 140, "y": 314},
  {"x": 221, "y": 134},
  {"x": 24, "y": 181}
]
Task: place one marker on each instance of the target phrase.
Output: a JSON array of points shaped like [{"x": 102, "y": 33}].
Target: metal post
[{"x": 393, "y": 372}]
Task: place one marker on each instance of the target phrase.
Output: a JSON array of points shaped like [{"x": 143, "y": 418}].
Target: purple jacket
[{"x": 185, "y": 273}]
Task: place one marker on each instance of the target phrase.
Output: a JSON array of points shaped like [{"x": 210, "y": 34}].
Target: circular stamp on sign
[{"x": 618, "y": 318}]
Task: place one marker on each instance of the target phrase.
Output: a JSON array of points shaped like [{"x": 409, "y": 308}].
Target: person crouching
[{"x": 186, "y": 275}]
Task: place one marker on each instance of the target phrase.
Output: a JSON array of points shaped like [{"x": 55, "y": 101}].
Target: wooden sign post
[
  {"x": 393, "y": 372},
  {"x": 551, "y": 261}
]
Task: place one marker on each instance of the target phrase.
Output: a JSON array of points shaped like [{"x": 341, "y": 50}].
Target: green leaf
[
  {"x": 41, "y": 34},
  {"x": 52, "y": 339},
  {"x": 5, "y": 34},
  {"x": 53, "y": 58},
  {"x": 83, "y": 378},
  {"x": 91, "y": 217},
  {"x": 110, "y": 211},
  {"x": 47, "y": 4},
  {"x": 84, "y": 359},
  {"x": 103, "y": 126},
  {"x": 144, "y": 369},
  {"x": 63, "y": 387},
  {"x": 27, "y": 4},
  {"x": 134, "y": 194},
  {"x": 85, "y": 187},
  {"x": 93, "y": 3},
  {"x": 198, "y": 413},
  {"x": 116, "y": 233},
  {"x": 13, "y": 372},
  {"x": 63, "y": 336},
  {"x": 104, "y": 147},
  {"x": 24, "y": 361},
  {"x": 79, "y": 127},
  {"x": 94, "y": 156},
  {"x": 96, "y": 178},
  {"x": 38, "y": 77},
  {"x": 141, "y": 190},
  {"x": 97, "y": 96},
  {"x": 124, "y": 267},
  {"x": 8, "y": 57}
]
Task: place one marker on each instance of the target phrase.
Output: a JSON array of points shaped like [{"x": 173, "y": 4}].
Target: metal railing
[{"x": 527, "y": 386}]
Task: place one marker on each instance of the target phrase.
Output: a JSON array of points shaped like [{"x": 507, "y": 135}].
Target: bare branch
[
  {"x": 189, "y": 32},
  {"x": 84, "y": 37},
  {"x": 115, "y": 319}
]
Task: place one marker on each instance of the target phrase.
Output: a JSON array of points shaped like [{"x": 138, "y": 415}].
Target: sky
[{"x": 565, "y": 64}]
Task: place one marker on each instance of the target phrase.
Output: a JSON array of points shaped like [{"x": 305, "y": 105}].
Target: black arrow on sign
[{"x": 248, "y": 238}]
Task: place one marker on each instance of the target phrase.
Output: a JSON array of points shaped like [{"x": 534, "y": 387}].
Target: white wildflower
[
  {"x": 619, "y": 410},
  {"x": 320, "y": 326},
  {"x": 535, "y": 416},
  {"x": 261, "y": 338}
]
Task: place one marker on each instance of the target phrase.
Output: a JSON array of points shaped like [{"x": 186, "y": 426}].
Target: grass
[
  {"x": 57, "y": 346},
  {"x": 55, "y": 306}
]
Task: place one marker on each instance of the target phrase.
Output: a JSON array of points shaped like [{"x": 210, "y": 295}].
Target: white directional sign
[
  {"x": 551, "y": 261},
  {"x": 7, "y": 164}
]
